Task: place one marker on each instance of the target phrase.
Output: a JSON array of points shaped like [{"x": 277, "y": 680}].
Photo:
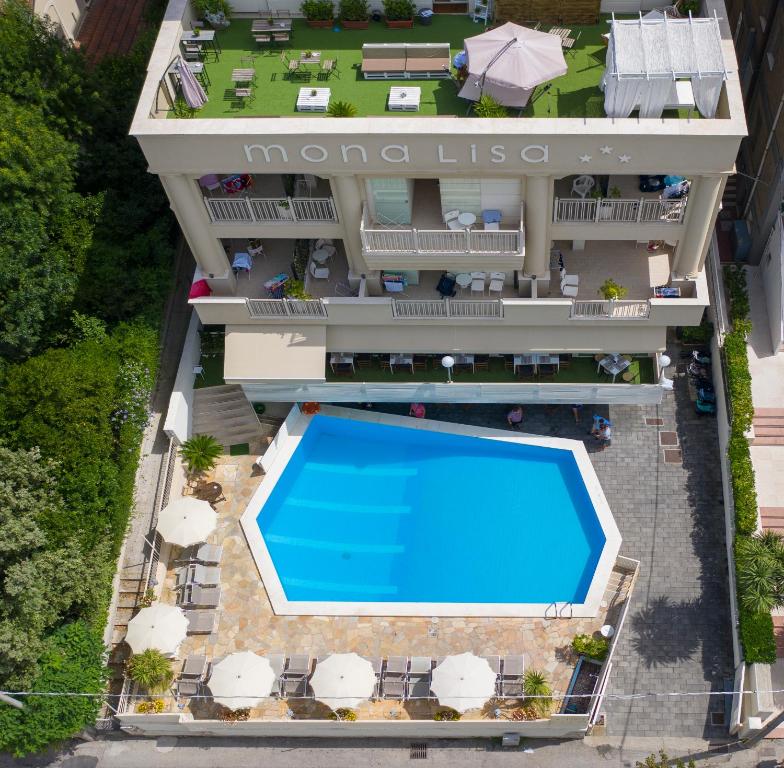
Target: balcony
[
  {"x": 265, "y": 201},
  {"x": 627, "y": 206}
]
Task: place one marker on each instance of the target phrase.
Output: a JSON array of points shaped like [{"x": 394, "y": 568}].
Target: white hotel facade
[{"x": 379, "y": 187}]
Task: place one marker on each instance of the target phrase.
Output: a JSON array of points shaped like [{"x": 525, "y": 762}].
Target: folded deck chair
[{"x": 201, "y": 622}]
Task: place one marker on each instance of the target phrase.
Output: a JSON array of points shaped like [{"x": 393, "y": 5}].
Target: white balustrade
[
  {"x": 616, "y": 211},
  {"x": 287, "y": 308},
  {"x": 424, "y": 309},
  {"x": 587, "y": 310},
  {"x": 266, "y": 210}
]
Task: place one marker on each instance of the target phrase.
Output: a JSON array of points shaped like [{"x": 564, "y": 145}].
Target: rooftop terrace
[{"x": 576, "y": 94}]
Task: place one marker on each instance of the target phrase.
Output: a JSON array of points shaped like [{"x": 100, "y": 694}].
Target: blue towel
[{"x": 491, "y": 216}]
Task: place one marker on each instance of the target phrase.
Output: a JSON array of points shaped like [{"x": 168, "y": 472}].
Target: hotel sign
[{"x": 352, "y": 154}]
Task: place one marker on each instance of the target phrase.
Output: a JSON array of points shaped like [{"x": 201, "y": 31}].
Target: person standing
[
  {"x": 515, "y": 417},
  {"x": 576, "y": 412}
]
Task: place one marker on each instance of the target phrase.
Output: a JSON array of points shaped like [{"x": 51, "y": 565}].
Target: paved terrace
[{"x": 576, "y": 94}]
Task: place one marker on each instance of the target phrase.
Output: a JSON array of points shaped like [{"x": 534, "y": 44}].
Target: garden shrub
[{"x": 756, "y": 634}]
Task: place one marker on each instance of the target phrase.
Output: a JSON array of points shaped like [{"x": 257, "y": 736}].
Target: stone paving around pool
[{"x": 247, "y": 622}]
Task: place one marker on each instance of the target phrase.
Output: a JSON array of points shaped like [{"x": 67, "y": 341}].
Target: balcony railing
[
  {"x": 589, "y": 310},
  {"x": 425, "y": 309},
  {"x": 614, "y": 211},
  {"x": 270, "y": 210},
  {"x": 400, "y": 240},
  {"x": 299, "y": 308}
]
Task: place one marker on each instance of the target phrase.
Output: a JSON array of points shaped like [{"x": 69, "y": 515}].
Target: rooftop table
[
  {"x": 263, "y": 25},
  {"x": 206, "y": 37}
]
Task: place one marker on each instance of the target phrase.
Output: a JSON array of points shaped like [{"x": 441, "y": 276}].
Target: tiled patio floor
[{"x": 247, "y": 622}]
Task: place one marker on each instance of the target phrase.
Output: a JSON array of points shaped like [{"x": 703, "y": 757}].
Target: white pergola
[{"x": 646, "y": 56}]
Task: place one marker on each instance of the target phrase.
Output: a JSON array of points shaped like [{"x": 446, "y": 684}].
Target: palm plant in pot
[
  {"x": 318, "y": 13},
  {"x": 200, "y": 453},
  {"x": 354, "y": 14},
  {"x": 399, "y": 13},
  {"x": 611, "y": 290}
]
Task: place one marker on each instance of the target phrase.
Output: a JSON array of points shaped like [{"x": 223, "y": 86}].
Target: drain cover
[{"x": 418, "y": 752}]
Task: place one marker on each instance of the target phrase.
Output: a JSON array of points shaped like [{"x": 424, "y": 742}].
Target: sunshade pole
[{"x": 493, "y": 61}]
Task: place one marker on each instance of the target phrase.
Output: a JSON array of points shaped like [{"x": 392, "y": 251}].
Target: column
[
  {"x": 345, "y": 191},
  {"x": 701, "y": 209},
  {"x": 538, "y": 207},
  {"x": 188, "y": 206}
]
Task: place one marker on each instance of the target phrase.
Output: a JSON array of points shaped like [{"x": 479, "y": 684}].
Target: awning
[{"x": 275, "y": 353}]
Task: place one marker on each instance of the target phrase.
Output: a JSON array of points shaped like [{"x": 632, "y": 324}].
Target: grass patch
[
  {"x": 576, "y": 94},
  {"x": 239, "y": 449},
  {"x": 213, "y": 372}
]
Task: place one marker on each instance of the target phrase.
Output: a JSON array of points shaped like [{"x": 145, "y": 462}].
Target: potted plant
[
  {"x": 318, "y": 13},
  {"x": 592, "y": 647},
  {"x": 154, "y": 707},
  {"x": 200, "y": 453},
  {"x": 215, "y": 12},
  {"x": 615, "y": 193},
  {"x": 148, "y": 598},
  {"x": 151, "y": 670},
  {"x": 536, "y": 687},
  {"x": 295, "y": 289},
  {"x": 447, "y": 715},
  {"x": 354, "y": 14},
  {"x": 341, "y": 109},
  {"x": 487, "y": 106},
  {"x": 343, "y": 713},
  {"x": 399, "y": 13},
  {"x": 611, "y": 290}
]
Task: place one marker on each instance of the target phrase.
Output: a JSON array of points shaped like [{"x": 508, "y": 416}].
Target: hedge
[{"x": 756, "y": 629}]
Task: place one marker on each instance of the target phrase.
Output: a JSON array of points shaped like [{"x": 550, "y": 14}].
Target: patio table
[
  {"x": 341, "y": 358},
  {"x": 263, "y": 25},
  {"x": 467, "y": 219},
  {"x": 313, "y": 59},
  {"x": 404, "y": 360},
  {"x": 405, "y": 99},
  {"x": 463, "y": 280},
  {"x": 614, "y": 364},
  {"x": 466, "y": 361},
  {"x": 243, "y": 75},
  {"x": 313, "y": 99},
  {"x": 206, "y": 37},
  {"x": 536, "y": 359},
  {"x": 210, "y": 492}
]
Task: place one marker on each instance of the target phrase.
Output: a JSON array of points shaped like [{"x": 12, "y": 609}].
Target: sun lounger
[
  {"x": 419, "y": 677},
  {"x": 277, "y": 662},
  {"x": 396, "y": 666},
  {"x": 297, "y": 665},
  {"x": 187, "y": 688},
  {"x": 295, "y": 687},
  {"x": 196, "y": 573},
  {"x": 194, "y": 666},
  {"x": 377, "y": 663},
  {"x": 202, "y": 553},
  {"x": 495, "y": 665},
  {"x": 201, "y": 622},
  {"x": 393, "y": 689},
  {"x": 512, "y": 673},
  {"x": 194, "y": 595}
]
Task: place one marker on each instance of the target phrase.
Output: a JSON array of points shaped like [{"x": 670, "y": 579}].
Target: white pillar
[
  {"x": 538, "y": 209},
  {"x": 345, "y": 191},
  {"x": 701, "y": 208},
  {"x": 189, "y": 208}
]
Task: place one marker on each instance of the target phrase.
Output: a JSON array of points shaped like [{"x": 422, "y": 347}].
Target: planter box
[
  {"x": 355, "y": 24},
  {"x": 321, "y": 23},
  {"x": 402, "y": 24}
]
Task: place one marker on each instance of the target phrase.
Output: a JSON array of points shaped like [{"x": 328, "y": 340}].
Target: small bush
[
  {"x": 536, "y": 686},
  {"x": 593, "y": 647},
  {"x": 487, "y": 106},
  {"x": 756, "y": 634},
  {"x": 318, "y": 10},
  {"x": 154, "y": 707},
  {"x": 609, "y": 289},
  {"x": 399, "y": 10},
  {"x": 341, "y": 109},
  {"x": 697, "y": 334},
  {"x": 447, "y": 715},
  {"x": 343, "y": 713},
  {"x": 354, "y": 10},
  {"x": 234, "y": 715}
]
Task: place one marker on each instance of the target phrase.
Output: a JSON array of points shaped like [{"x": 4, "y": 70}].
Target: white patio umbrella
[
  {"x": 241, "y": 680},
  {"x": 463, "y": 682},
  {"x": 508, "y": 62},
  {"x": 343, "y": 680},
  {"x": 160, "y": 626},
  {"x": 187, "y": 521}
]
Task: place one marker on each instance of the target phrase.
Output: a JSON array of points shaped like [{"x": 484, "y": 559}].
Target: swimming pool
[{"x": 379, "y": 514}]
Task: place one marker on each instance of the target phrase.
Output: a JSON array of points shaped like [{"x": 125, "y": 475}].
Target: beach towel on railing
[{"x": 239, "y": 182}]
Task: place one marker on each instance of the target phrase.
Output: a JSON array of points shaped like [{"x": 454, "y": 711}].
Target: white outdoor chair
[
  {"x": 582, "y": 185},
  {"x": 492, "y": 226},
  {"x": 478, "y": 282},
  {"x": 320, "y": 273},
  {"x": 450, "y": 219},
  {"x": 569, "y": 290},
  {"x": 568, "y": 279},
  {"x": 497, "y": 280}
]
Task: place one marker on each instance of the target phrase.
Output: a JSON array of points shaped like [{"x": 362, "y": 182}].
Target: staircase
[
  {"x": 778, "y": 630},
  {"x": 729, "y": 201},
  {"x": 768, "y": 426},
  {"x": 225, "y": 413}
]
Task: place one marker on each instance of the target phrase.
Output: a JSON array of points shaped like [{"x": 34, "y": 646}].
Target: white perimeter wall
[
  {"x": 179, "y": 414},
  {"x": 773, "y": 284}
]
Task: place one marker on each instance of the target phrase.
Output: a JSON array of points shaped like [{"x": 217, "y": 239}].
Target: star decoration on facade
[
  {"x": 624, "y": 158},
  {"x": 605, "y": 150},
  {"x": 585, "y": 158}
]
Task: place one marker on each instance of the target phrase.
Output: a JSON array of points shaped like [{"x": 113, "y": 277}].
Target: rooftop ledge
[{"x": 572, "y": 106}]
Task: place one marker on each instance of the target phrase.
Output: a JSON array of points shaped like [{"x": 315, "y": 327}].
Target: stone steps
[
  {"x": 768, "y": 426},
  {"x": 225, "y": 413},
  {"x": 778, "y": 631},
  {"x": 772, "y": 518}
]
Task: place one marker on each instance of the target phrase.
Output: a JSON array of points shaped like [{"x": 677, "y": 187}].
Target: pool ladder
[{"x": 565, "y": 611}]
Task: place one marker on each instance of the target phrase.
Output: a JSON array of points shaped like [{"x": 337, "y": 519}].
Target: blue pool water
[{"x": 375, "y": 513}]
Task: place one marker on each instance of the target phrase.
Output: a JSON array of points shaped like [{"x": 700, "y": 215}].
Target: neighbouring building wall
[
  {"x": 758, "y": 32},
  {"x": 773, "y": 284},
  {"x": 66, "y": 14}
]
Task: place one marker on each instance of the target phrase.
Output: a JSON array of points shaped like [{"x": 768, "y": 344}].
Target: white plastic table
[
  {"x": 614, "y": 365},
  {"x": 341, "y": 358},
  {"x": 463, "y": 280},
  {"x": 467, "y": 219},
  {"x": 313, "y": 99},
  {"x": 405, "y": 360},
  {"x": 405, "y": 99}
]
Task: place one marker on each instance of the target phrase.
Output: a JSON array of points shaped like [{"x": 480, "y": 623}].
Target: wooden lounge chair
[
  {"x": 291, "y": 65},
  {"x": 526, "y": 372}
]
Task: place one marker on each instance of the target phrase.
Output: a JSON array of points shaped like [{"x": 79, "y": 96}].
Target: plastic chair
[
  {"x": 320, "y": 273},
  {"x": 478, "y": 282},
  {"x": 582, "y": 185},
  {"x": 450, "y": 219},
  {"x": 497, "y": 280},
  {"x": 568, "y": 279}
]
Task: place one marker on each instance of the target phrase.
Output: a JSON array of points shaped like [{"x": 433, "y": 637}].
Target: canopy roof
[{"x": 659, "y": 46}]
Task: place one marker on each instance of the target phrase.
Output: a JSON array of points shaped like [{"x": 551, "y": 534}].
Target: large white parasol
[
  {"x": 241, "y": 680},
  {"x": 463, "y": 682},
  {"x": 508, "y": 62},
  {"x": 187, "y": 521},
  {"x": 159, "y": 626},
  {"x": 343, "y": 680}
]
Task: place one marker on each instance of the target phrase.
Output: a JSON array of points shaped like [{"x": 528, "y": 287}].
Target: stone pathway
[{"x": 670, "y": 513}]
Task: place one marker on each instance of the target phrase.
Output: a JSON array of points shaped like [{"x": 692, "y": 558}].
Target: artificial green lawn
[
  {"x": 576, "y": 94},
  {"x": 213, "y": 372},
  {"x": 580, "y": 370}
]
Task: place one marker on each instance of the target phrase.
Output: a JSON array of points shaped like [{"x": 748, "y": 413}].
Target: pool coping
[{"x": 286, "y": 442}]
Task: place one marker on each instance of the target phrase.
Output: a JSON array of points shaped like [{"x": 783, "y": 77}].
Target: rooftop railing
[
  {"x": 270, "y": 210},
  {"x": 615, "y": 211}
]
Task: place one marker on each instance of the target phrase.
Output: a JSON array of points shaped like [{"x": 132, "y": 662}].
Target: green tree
[{"x": 45, "y": 227}]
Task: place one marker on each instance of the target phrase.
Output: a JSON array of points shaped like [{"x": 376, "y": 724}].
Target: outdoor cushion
[
  {"x": 200, "y": 288},
  {"x": 383, "y": 65},
  {"x": 427, "y": 65},
  {"x": 428, "y": 51},
  {"x": 383, "y": 51}
]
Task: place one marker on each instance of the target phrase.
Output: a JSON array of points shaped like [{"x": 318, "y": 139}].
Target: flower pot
[
  {"x": 355, "y": 24},
  {"x": 401, "y": 24},
  {"x": 320, "y": 23}
]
